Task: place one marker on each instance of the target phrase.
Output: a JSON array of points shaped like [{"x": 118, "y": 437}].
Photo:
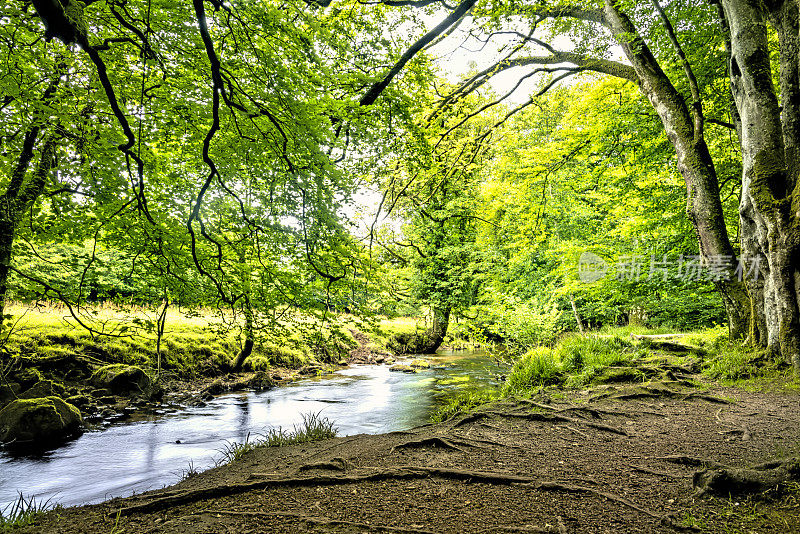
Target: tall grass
[
  {"x": 23, "y": 512},
  {"x": 313, "y": 428},
  {"x": 575, "y": 361}
]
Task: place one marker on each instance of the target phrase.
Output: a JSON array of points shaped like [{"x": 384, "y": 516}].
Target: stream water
[{"x": 126, "y": 458}]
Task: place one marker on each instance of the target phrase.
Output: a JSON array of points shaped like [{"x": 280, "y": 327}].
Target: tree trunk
[
  {"x": 769, "y": 204},
  {"x": 249, "y": 337},
  {"x": 576, "y": 314},
  {"x": 434, "y": 337},
  {"x": 685, "y": 132}
]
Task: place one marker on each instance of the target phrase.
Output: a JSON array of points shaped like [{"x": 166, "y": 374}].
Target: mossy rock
[
  {"x": 8, "y": 392},
  {"x": 262, "y": 381},
  {"x": 402, "y": 368},
  {"x": 121, "y": 379},
  {"x": 27, "y": 377},
  {"x": 79, "y": 400},
  {"x": 39, "y": 422},
  {"x": 420, "y": 364},
  {"x": 44, "y": 388}
]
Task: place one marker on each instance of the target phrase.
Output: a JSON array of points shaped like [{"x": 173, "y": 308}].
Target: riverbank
[
  {"x": 618, "y": 458},
  {"x": 51, "y": 366}
]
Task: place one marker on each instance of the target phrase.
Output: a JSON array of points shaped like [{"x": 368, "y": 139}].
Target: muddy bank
[{"x": 616, "y": 459}]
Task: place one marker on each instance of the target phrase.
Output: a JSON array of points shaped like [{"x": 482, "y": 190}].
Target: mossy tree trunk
[
  {"x": 770, "y": 136},
  {"x": 684, "y": 126},
  {"x": 434, "y": 336},
  {"x": 25, "y": 186},
  {"x": 249, "y": 317}
]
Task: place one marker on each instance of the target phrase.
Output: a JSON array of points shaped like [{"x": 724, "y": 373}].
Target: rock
[
  {"x": 41, "y": 422},
  {"x": 402, "y": 368},
  {"x": 420, "y": 364},
  {"x": 44, "y": 388},
  {"x": 27, "y": 377},
  {"x": 310, "y": 370},
  {"x": 379, "y": 358},
  {"x": 100, "y": 393},
  {"x": 121, "y": 379},
  {"x": 9, "y": 392},
  {"x": 261, "y": 381},
  {"x": 78, "y": 400}
]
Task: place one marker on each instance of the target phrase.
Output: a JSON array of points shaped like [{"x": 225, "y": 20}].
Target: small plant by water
[
  {"x": 313, "y": 428},
  {"x": 464, "y": 402},
  {"x": 22, "y": 512}
]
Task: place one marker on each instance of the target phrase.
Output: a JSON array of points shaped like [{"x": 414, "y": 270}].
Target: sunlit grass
[
  {"x": 464, "y": 402},
  {"x": 195, "y": 341}
]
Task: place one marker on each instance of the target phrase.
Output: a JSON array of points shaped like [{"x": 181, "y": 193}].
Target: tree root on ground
[
  {"x": 335, "y": 464},
  {"x": 379, "y": 474},
  {"x": 724, "y": 481},
  {"x": 649, "y": 471},
  {"x": 435, "y": 441},
  {"x": 556, "y": 418},
  {"x": 651, "y": 392},
  {"x": 320, "y": 521},
  {"x": 690, "y": 461}
]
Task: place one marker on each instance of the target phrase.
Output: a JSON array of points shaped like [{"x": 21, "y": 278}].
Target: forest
[{"x": 530, "y": 265}]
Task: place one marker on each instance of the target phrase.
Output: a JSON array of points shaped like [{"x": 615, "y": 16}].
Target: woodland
[{"x": 191, "y": 190}]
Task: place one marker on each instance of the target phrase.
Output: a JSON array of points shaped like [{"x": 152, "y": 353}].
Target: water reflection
[{"x": 135, "y": 457}]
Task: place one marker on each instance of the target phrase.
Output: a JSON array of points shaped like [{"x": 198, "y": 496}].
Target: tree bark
[
  {"x": 434, "y": 336},
  {"x": 20, "y": 194},
  {"x": 770, "y": 132},
  {"x": 685, "y": 131}
]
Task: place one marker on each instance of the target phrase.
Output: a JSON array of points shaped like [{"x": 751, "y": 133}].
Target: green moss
[{"x": 41, "y": 421}]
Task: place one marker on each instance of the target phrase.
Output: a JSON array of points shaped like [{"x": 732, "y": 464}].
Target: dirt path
[{"x": 617, "y": 462}]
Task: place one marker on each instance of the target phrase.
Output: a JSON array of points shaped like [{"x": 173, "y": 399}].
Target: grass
[
  {"x": 23, "y": 512},
  {"x": 466, "y": 401},
  {"x": 195, "y": 343},
  {"x": 313, "y": 428}
]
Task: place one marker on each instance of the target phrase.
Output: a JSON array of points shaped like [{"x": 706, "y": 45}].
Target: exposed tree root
[
  {"x": 324, "y": 521},
  {"x": 435, "y": 441},
  {"x": 556, "y": 418},
  {"x": 653, "y": 392},
  {"x": 690, "y": 461},
  {"x": 398, "y": 473},
  {"x": 471, "y": 442},
  {"x": 335, "y": 464},
  {"x": 725, "y": 481},
  {"x": 649, "y": 471}
]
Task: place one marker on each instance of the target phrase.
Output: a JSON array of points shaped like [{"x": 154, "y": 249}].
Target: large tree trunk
[
  {"x": 769, "y": 205},
  {"x": 685, "y": 131}
]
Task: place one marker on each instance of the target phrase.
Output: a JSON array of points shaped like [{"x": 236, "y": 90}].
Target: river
[{"x": 126, "y": 458}]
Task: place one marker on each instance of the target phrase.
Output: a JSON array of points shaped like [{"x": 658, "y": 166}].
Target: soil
[{"x": 615, "y": 459}]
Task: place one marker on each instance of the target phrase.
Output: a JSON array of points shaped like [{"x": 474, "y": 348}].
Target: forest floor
[{"x": 616, "y": 458}]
